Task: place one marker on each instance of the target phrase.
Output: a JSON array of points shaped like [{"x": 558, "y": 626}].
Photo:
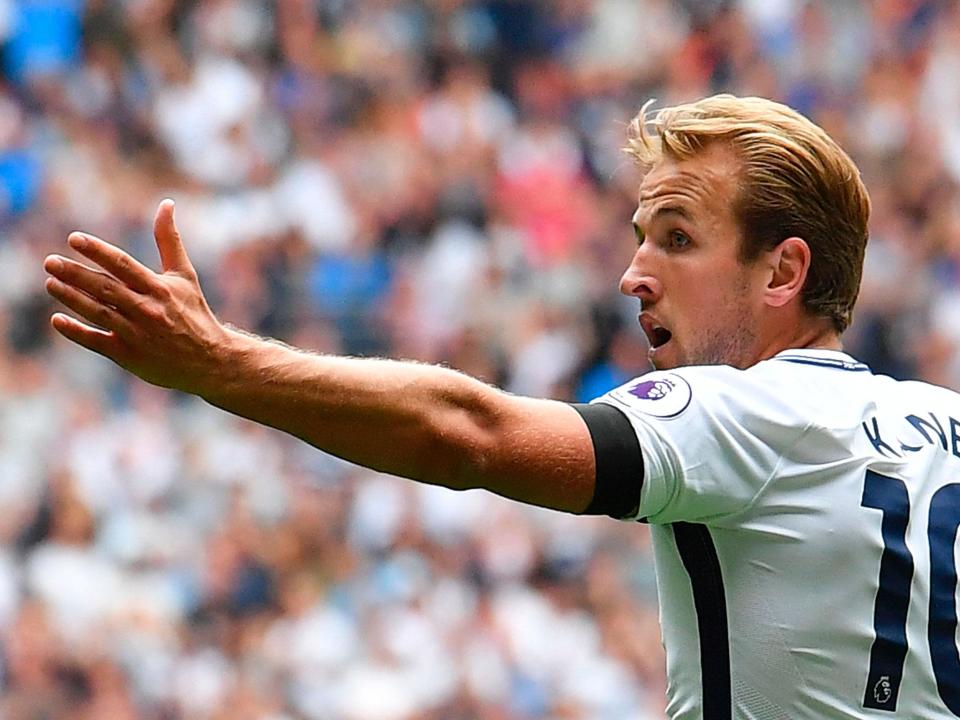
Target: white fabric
[{"x": 772, "y": 461}]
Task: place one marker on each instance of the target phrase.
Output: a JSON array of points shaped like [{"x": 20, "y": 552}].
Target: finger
[
  {"x": 115, "y": 261},
  {"x": 173, "y": 256},
  {"x": 99, "y": 285},
  {"x": 91, "y": 338},
  {"x": 87, "y": 307}
]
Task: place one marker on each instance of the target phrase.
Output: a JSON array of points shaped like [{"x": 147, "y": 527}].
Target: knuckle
[
  {"x": 165, "y": 320},
  {"x": 145, "y": 307},
  {"x": 155, "y": 314},
  {"x": 108, "y": 291},
  {"x": 152, "y": 313},
  {"x": 104, "y": 315}
]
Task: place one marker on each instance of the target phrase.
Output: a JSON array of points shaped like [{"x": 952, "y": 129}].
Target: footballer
[{"x": 804, "y": 510}]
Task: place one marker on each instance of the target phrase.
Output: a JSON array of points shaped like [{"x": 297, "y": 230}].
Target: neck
[{"x": 819, "y": 334}]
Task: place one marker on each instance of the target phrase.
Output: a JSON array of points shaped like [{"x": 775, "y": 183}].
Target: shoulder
[
  {"x": 711, "y": 436},
  {"x": 670, "y": 394},
  {"x": 789, "y": 390}
]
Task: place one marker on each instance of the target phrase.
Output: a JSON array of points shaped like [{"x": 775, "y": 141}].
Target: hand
[{"x": 156, "y": 325}]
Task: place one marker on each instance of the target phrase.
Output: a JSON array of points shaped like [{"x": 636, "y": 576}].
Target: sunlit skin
[
  {"x": 689, "y": 278},
  {"x": 430, "y": 423}
]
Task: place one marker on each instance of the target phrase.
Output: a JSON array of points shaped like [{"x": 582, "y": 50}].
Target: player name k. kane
[{"x": 917, "y": 433}]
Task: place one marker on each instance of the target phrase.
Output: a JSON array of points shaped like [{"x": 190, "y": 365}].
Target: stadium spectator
[{"x": 371, "y": 177}]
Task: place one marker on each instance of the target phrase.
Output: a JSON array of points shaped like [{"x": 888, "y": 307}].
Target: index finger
[{"x": 115, "y": 261}]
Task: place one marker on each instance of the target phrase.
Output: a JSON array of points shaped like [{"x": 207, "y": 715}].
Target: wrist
[{"x": 229, "y": 359}]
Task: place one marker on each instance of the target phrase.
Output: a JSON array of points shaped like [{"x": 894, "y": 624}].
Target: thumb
[{"x": 173, "y": 256}]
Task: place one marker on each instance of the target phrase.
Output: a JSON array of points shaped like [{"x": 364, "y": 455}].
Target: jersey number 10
[{"x": 889, "y": 650}]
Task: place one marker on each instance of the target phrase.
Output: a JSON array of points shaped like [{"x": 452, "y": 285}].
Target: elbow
[
  {"x": 458, "y": 434},
  {"x": 460, "y": 454}
]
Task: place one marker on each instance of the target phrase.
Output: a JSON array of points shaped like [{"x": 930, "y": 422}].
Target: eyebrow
[
  {"x": 662, "y": 211},
  {"x": 672, "y": 210}
]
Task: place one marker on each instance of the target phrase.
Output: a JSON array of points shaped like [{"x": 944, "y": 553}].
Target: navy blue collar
[{"x": 817, "y": 357}]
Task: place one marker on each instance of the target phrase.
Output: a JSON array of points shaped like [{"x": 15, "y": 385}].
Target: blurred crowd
[{"x": 439, "y": 180}]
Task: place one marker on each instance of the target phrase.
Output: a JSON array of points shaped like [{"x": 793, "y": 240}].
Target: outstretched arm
[{"x": 424, "y": 422}]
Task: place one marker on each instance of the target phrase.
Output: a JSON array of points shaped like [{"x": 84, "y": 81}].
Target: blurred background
[{"x": 439, "y": 180}]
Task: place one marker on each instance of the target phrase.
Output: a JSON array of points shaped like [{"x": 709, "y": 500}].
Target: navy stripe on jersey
[
  {"x": 833, "y": 363},
  {"x": 943, "y": 528},
  {"x": 889, "y": 651},
  {"x": 619, "y": 461},
  {"x": 699, "y": 557}
]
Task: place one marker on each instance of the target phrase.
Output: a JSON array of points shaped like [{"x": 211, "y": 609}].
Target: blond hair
[{"x": 795, "y": 181}]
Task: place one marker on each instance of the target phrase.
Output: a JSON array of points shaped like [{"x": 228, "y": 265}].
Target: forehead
[{"x": 703, "y": 185}]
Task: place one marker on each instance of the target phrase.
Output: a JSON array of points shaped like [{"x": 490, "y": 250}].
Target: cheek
[
  {"x": 706, "y": 295},
  {"x": 714, "y": 297}
]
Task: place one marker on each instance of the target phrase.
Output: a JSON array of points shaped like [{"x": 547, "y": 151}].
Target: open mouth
[
  {"x": 657, "y": 334},
  {"x": 661, "y": 336}
]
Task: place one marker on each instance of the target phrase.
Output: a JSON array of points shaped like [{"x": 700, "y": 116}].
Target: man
[{"x": 804, "y": 511}]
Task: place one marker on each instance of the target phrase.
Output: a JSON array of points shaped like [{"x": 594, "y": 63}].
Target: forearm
[
  {"x": 418, "y": 421},
  {"x": 422, "y": 422}
]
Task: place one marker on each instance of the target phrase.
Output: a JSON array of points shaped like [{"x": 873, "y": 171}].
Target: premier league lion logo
[
  {"x": 882, "y": 692},
  {"x": 660, "y": 394},
  {"x": 652, "y": 389}
]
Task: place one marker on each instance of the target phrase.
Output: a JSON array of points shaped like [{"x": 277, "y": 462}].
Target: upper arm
[
  {"x": 711, "y": 437},
  {"x": 536, "y": 451},
  {"x": 575, "y": 458}
]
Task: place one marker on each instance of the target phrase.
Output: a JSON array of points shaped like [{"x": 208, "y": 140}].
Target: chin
[{"x": 663, "y": 359}]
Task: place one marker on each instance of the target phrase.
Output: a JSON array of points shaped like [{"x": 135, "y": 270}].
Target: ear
[{"x": 788, "y": 264}]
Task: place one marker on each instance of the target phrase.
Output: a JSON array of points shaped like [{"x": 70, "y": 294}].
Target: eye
[
  {"x": 639, "y": 233},
  {"x": 679, "y": 239}
]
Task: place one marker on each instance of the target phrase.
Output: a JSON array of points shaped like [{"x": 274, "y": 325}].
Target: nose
[{"x": 638, "y": 282}]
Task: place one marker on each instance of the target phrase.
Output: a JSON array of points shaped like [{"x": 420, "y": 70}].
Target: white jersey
[{"x": 804, "y": 515}]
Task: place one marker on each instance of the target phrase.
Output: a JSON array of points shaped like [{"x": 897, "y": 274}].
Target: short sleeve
[{"x": 711, "y": 438}]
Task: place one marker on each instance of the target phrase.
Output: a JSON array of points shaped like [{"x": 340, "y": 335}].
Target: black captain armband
[{"x": 618, "y": 458}]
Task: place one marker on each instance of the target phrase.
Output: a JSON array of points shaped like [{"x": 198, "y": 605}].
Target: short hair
[{"x": 795, "y": 181}]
